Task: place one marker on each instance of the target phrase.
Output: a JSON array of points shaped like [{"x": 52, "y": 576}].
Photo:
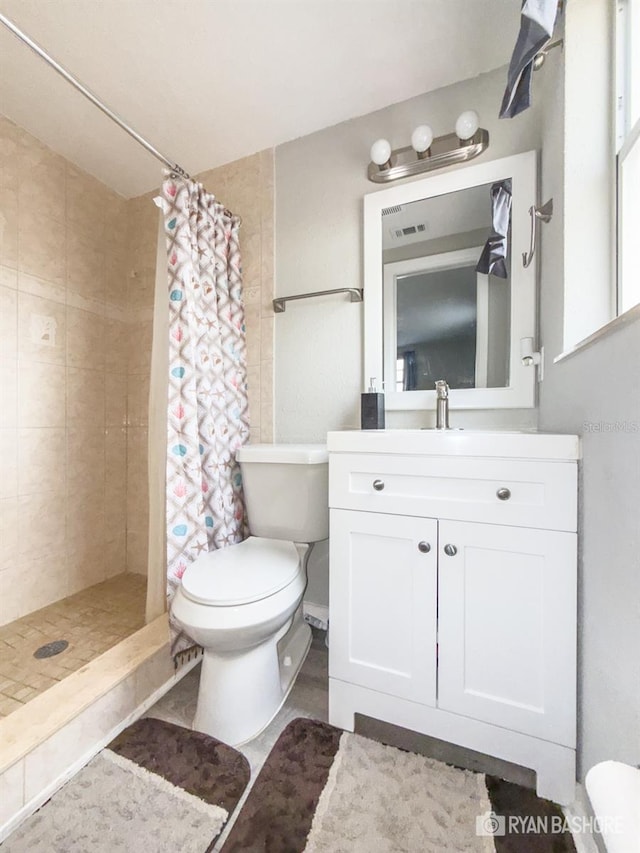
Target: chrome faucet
[{"x": 442, "y": 405}]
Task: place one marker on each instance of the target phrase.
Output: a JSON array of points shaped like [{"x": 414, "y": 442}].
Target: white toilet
[{"x": 243, "y": 604}]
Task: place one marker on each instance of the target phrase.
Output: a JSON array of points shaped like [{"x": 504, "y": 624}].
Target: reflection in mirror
[{"x": 441, "y": 317}]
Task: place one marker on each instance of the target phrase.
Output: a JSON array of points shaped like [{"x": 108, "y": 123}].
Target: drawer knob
[
  {"x": 424, "y": 547},
  {"x": 503, "y": 494},
  {"x": 450, "y": 550},
  {"x": 378, "y": 485}
]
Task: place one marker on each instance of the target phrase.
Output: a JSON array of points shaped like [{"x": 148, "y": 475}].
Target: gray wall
[
  {"x": 320, "y": 184},
  {"x": 599, "y": 385},
  {"x": 320, "y": 181}
]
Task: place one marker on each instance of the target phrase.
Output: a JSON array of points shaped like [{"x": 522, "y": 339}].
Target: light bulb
[
  {"x": 380, "y": 152},
  {"x": 467, "y": 124},
  {"x": 421, "y": 138}
]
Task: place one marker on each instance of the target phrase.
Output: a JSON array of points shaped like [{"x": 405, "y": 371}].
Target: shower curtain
[{"x": 207, "y": 409}]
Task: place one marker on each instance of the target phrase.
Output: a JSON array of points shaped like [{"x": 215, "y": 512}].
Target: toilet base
[{"x": 240, "y": 694}]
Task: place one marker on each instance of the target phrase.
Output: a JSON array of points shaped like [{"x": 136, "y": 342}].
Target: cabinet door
[
  {"x": 507, "y": 627},
  {"x": 383, "y": 603}
]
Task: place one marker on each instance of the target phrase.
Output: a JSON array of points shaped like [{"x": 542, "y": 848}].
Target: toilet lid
[{"x": 242, "y": 573}]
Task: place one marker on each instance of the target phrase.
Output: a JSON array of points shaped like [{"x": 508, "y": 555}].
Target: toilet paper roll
[{"x": 614, "y": 791}]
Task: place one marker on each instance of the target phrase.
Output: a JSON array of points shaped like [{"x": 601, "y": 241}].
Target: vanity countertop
[{"x": 458, "y": 442}]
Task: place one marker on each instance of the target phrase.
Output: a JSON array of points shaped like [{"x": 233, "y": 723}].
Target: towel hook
[{"x": 543, "y": 214}]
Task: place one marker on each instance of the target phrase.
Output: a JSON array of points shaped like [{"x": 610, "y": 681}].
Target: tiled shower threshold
[{"x": 43, "y": 743}]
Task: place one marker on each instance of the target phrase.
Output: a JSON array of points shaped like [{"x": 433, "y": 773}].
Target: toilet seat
[{"x": 241, "y": 574}]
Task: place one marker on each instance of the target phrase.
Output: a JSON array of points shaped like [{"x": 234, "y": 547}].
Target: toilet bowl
[{"x": 243, "y": 603}]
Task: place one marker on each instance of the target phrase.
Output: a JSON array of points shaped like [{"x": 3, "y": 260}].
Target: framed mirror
[{"x": 429, "y": 314}]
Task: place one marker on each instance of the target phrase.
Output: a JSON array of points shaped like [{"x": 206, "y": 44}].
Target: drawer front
[{"x": 494, "y": 491}]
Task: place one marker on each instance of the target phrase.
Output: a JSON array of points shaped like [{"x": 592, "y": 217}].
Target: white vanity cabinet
[{"x": 453, "y": 591}]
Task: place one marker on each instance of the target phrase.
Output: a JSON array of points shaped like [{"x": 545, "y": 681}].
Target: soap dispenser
[{"x": 372, "y": 407}]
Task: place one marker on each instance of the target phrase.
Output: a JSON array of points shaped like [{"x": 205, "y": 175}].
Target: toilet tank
[{"x": 286, "y": 490}]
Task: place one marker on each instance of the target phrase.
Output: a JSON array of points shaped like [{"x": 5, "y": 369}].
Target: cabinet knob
[
  {"x": 450, "y": 550},
  {"x": 424, "y": 547},
  {"x": 503, "y": 494},
  {"x": 378, "y": 485}
]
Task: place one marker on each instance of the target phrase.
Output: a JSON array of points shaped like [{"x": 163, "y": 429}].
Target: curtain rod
[{"x": 90, "y": 96}]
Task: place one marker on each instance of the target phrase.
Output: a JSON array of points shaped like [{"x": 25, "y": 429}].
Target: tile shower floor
[{"x": 92, "y": 621}]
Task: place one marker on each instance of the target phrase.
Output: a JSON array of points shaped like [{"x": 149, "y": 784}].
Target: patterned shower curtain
[{"x": 207, "y": 403}]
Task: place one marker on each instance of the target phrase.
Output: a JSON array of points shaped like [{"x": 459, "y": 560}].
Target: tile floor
[
  {"x": 92, "y": 621},
  {"x": 308, "y": 698}
]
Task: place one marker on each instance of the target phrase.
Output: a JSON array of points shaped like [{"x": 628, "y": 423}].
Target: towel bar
[{"x": 279, "y": 304}]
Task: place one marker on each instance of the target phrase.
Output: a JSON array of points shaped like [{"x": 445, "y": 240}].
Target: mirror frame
[{"x": 520, "y": 393}]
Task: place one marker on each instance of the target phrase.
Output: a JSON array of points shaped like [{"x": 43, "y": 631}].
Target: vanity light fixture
[{"x": 426, "y": 152}]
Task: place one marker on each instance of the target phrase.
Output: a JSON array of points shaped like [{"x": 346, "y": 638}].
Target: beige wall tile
[
  {"x": 85, "y": 339},
  {"x": 116, "y": 221},
  {"x": 85, "y": 398},
  {"x": 8, "y": 323},
  {"x": 116, "y": 399},
  {"x": 116, "y": 275},
  {"x": 42, "y": 188},
  {"x": 251, "y": 292},
  {"x": 137, "y": 548},
  {"x": 85, "y": 303},
  {"x": 9, "y": 146},
  {"x": 41, "y": 395},
  {"x": 41, "y": 582},
  {"x": 116, "y": 343},
  {"x": 85, "y": 540},
  {"x": 138, "y": 400},
  {"x": 9, "y": 227},
  {"x": 251, "y": 253},
  {"x": 42, "y": 463},
  {"x": 254, "y": 339},
  {"x": 115, "y": 551},
  {"x": 141, "y": 290},
  {"x": 9, "y": 595},
  {"x": 268, "y": 293},
  {"x": 86, "y": 272},
  {"x": 266, "y": 422},
  {"x": 140, "y": 343},
  {"x": 8, "y": 277},
  {"x": 86, "y": 198},
  {"x": 8, "y": 393},
  {"x": 137, "y": 478},
  {"x": 42, "y": 247},
  {"x": 8, "y": 533},
  {"x": 41, "y": 530},
  {"x": 267, "y": 335},
  {"x": 41, "y": 329},
  {"x": 8, "y": 463},
  {"x": 85, "y": 459},
  {"x": 116, "y": 472},
  {"x": 41, "y": 287}
]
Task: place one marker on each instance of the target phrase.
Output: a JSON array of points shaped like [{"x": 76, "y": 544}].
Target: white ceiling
[{"x": 209, "y": 81}]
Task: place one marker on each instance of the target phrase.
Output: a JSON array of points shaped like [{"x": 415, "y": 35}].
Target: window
[{"x": 628, "y": 151}]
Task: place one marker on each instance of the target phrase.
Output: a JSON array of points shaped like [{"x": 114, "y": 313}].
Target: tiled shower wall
[
  {"x": 77, "y": 275},
  {"x": 63, "y": 377},
  {"x": 246, "y": 187}
]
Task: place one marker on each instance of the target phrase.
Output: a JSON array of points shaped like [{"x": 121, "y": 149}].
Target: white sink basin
[{"x": 455, "y": 442}]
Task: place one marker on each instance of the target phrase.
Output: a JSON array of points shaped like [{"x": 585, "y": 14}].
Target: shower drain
[{"x": 51, "y": 649}]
